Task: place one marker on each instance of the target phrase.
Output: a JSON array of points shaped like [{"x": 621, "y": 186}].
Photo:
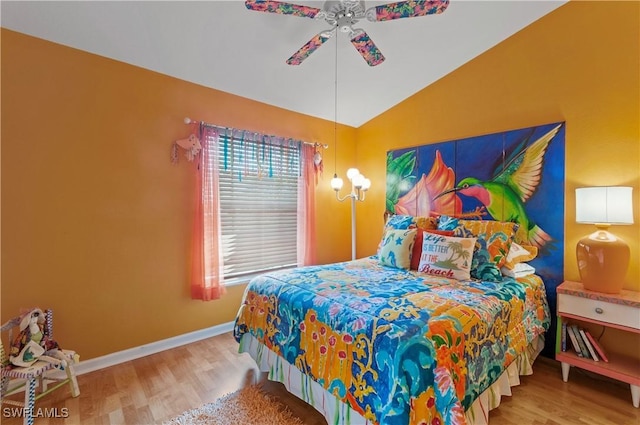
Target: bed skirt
[{"x": 338, "y": 413}]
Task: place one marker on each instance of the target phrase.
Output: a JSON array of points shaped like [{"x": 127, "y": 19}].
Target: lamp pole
[{"x": 353, "y": 227}]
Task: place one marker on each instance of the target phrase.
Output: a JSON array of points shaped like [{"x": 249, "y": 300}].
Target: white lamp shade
[
  {"x": 358, "y": 180},
  {"x": 336, "y": 183},
  {"x": 606, "y": 205},
  {"x": 366, "y": 184},
  {"x": 352, "y": 172}
]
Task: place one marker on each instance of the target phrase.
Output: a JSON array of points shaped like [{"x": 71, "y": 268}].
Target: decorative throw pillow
[
  {"x": 446, "y": 256},
  {"x": 482, "y": 268},
  {"x": 520, "y": 254},
  {"x": 396, "y": 246},
  {"x": 417, "y": 246},
  {"x": 426, "y": 223},
  {"x": 448, "y": 223},
  {"x": 398, "y": 222},
  {"x": 497, "y": 234}
]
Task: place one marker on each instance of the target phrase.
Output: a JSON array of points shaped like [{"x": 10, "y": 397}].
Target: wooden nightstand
[{"x": 619, "y": 311}]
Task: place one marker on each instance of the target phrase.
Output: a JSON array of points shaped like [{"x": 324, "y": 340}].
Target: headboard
[{"x": 515, "y": 175}]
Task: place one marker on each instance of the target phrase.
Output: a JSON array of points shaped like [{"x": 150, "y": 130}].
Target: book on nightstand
[
  {"x": 574, "y": 341},
  {"x": 596, "y": 345},
  {"x": 583, "y": 347},
  {"x": 594, "y": 356}
]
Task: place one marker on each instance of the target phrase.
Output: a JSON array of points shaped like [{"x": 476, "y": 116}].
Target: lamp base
[{"x": 603, "y": 260}]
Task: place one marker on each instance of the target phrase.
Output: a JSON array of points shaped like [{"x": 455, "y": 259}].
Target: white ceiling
[{"x": 221, "y": 44}]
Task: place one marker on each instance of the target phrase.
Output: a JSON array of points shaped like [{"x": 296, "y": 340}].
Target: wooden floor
[{"x": 155, "y": 388}]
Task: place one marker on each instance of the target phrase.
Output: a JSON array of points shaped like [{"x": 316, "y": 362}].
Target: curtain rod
[{"x": 188, "y": 120}]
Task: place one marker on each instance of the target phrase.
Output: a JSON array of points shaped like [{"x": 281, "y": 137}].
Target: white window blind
[{"x": 258, "y": 205}]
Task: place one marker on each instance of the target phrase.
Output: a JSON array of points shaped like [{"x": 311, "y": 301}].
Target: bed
[{"x": 366, "y": 343}]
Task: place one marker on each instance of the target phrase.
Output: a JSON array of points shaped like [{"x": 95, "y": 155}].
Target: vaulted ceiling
[{"x": 222, "y": 45}]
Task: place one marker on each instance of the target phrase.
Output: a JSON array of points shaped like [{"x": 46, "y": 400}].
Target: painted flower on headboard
[{"x": 419, "y": 200}]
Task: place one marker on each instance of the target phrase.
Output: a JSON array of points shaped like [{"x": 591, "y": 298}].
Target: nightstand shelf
[
  {"x": 619, "y": 311},
  {"x": 619, "y": 367}
]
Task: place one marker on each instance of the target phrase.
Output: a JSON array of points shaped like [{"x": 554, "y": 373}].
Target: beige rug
[{"x": 249, "y": 405}]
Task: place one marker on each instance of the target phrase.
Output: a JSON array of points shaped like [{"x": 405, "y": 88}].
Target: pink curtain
[
  {"x": 206, "y": 268},
  {"x": 306, "y": 207}
]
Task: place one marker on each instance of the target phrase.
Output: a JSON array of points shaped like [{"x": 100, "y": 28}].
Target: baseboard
[{"x": 147, "y": 349}]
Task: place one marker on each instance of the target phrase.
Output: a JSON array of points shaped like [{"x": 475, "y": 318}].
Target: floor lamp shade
[{"x": 603, "y": 258}]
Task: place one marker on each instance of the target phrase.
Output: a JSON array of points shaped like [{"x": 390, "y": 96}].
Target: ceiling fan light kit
[{"x": 342, "y": 15}]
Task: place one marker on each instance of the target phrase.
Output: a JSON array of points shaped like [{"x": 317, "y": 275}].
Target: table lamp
[{"x": 603, "y": 258}]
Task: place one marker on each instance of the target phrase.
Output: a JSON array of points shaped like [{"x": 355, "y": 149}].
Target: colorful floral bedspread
[{"x": 398, "y": 346}]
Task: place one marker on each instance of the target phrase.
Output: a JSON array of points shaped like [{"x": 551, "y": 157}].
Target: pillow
[
  {"x": 519, "y": 270},
  {"x": 482, "y": 268},
  {"x": 396, "y": 246},
  {"x": 399, "y": 222},
  {"x": 446, "y": 256},
  {"x": 426, "y": 223},
  {"x": 448, "y": 223},
  {"x": 520, "y": 254},
  {"x": 498, "y": 235},
  {"x": 417, "y": 246}
]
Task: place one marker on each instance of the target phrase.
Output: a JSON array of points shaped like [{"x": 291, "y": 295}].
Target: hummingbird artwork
[{"x": 505, "y": 195}]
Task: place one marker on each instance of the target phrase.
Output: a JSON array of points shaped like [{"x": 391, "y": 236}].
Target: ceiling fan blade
[
  {"x": 406, "y": 9},
  {"x": 310, "y": 47},
  {"x": 367, "y": 48},
  {"x": 282, "y": 8}
]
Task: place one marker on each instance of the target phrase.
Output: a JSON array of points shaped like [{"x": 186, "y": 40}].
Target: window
[{"x": 258, "y": 204}]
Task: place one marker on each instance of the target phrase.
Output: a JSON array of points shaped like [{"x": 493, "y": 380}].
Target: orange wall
[
  {"x": 96, "y": 220},
  {"x": 579, "y": 64}
]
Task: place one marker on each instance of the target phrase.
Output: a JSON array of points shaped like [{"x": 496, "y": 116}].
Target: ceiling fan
[{"x": 342, "y": 15}]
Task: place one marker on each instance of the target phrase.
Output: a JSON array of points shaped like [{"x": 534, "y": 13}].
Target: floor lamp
[{"x": 359, "y": 186}]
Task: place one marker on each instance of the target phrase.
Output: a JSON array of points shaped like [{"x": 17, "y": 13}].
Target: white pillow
[{"x": 519, "y": 270}]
